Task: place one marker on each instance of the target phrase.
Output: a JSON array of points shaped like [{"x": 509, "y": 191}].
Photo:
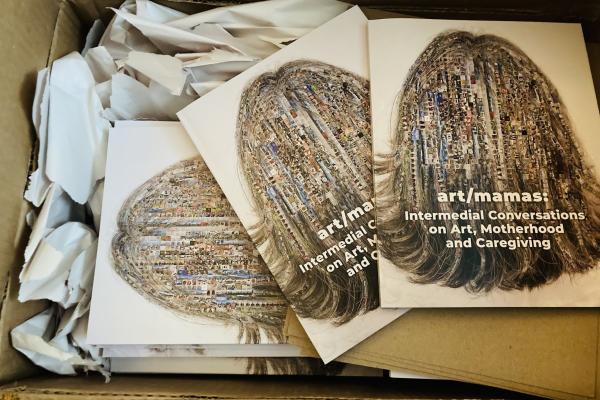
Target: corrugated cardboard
[
  {"x": 508, "y": 349},
  {"x": 26, "y": 37},
  {"x": 544, "y": 352}
]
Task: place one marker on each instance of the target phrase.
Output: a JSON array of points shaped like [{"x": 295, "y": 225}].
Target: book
[
  {"x": 486, "y": 182},
  {"x": 174, "y": 265},
  {"x": 289, "y": 142}
]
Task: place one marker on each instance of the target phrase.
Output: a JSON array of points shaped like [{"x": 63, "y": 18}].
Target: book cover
[
  {"x": 174, "y": 265},
  {"x": 289, "y": 141},
  {"x": 485, "y": 137}
]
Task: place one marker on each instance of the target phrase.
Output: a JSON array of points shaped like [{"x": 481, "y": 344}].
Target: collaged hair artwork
[
  {"x": 476, "y": 112},
  {"x": 304, "y": 147},
  {"x": 180, "y": 245}
]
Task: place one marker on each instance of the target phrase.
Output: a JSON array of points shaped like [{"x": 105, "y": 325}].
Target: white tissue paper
[
  {"x": 64, "y": 275},
  {"x": 95, "y": 204},
  {"x": 213, "y": 46},
  {"x": 57, "y": 210},
  {"x": 132, "y": 100},
  {"x": 253, "y": 29},
  {"x": 77, "y": 134},
  {"x": 157, "y": 13},
  {"x": 101, "y": 64},
  {"x": 119, "y": 37},
  {"x": 55, "y": 352},
  {"x": 162, "y": 69},
  {"x": 57, "y": 264}
]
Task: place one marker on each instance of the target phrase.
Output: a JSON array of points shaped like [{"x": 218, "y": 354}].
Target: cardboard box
[{"x": 33, "y": 33}]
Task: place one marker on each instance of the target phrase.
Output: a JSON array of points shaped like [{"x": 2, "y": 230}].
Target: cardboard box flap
[
  {"x": 27, "y": 32},
  {"x": 544, "y": 351},
  {"x": 68, "y": 33}
]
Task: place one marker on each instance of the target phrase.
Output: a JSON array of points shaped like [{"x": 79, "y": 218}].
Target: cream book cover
[
  {"x": 485, "y": 138},
  {"x": 289, "y": 141},
  {"x": 175, "y": 265}
]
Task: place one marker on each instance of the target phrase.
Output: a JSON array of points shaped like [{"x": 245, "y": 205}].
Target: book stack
[
  {"x": 298, "y": 211},
  {"x": 179, "y": 286}
]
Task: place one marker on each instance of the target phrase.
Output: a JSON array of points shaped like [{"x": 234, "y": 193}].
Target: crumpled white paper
[
  {"x": 36, "y": 338},
  {"x": 146, "y": 40},
  {"x": 119, "y": 37},
  {"x": 101, "y": 64},
  {"x": 162, "y": 69},
  {"x": 60, "y": 265},
  {"x": 64, "y": 275},
  {"x": 215, "y": 56},
  {"x": 254, "y": 29},
  {"x": 57, "y": 210},
  {"x": 151, "y": 11},
  {"x": 132, "y": 100},
  {"x": 77, "y": 134},
  {"x": 201, "y": 88},
  {"x": 95, "y": 204}
]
